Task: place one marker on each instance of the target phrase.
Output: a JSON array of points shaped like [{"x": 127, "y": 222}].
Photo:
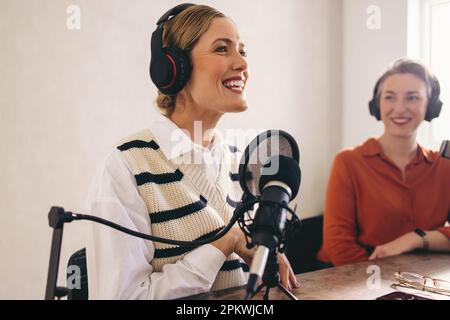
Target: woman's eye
[
  {"x": 222, "y": 49},
  {"x": 388, "y": 97},
  {"x": 414, "y": 98}
]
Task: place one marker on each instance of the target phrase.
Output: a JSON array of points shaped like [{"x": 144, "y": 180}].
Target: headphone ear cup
[
  {"x": 169, "y": 67},
  {"x": 434, "y": 109},
  {"x": 435, "y": 105},
  {"x": 374, "y": 104},
  {"x": 180, "y": 70},
  {"x": 374, "y": 108},
  {"x": 161, "y": 70}
]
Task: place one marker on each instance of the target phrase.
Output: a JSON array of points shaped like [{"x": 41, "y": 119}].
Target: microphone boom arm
[{"x": 57, "y": 217}]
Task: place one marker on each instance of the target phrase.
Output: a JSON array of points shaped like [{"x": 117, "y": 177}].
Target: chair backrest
[
  {"x": 77, "y": 279},
  {"x": 303, "y": 245}
]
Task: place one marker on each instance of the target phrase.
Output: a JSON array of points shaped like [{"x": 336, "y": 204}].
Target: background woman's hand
[{"x": 406, "y": 243}]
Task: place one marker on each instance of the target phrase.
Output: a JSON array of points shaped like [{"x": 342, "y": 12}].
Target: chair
[
  {"x": 78, "y": 259},
  {"x": 303, "y": 245}
]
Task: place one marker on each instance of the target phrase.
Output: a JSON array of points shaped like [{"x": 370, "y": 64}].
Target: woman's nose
[
  {"x": 400, "y": 104},
  {"x": 239, "y": 62}
]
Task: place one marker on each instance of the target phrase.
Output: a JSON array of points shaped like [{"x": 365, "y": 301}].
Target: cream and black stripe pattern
[{"x": 183, "y": 204}]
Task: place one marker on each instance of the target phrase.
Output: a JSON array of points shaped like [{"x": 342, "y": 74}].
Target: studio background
[{"x": 67, "y": 96}]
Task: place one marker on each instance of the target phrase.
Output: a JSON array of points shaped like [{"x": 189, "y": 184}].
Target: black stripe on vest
[
  {"x": 232, "y": 203},
  {"x": 138, "y": 144},
  {"x": 167, "y": 215},
  {"x": 233, "y": 265},
  {"x": 176, "y": 251},
  {"x": 147, "y": 177}
]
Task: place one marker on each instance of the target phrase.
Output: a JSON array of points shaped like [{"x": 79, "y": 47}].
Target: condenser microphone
[{"x": 279, "y": 184}]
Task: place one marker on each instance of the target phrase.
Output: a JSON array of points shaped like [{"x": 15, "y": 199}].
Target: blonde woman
[{"x": 170, "y": 182}]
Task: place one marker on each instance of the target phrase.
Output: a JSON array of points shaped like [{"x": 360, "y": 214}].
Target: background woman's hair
[
  {"x": 183, "y": 32},
  {"x": 408, "y": 66}
]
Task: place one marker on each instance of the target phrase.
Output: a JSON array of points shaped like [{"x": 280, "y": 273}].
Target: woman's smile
[
  {"x": 401, "y": 121},
  {"x": 235, "y": 84}
]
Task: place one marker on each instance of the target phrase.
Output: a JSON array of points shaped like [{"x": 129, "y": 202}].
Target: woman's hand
[
  {"x": 287, "y": 276},
  {"x": 406, "y": 243},
  {"x": 227, "y": 243},
  {"x": 241, "y": 247}
]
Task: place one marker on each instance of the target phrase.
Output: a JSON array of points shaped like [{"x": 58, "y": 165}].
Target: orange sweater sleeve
[{"x": 340, "y": 225}]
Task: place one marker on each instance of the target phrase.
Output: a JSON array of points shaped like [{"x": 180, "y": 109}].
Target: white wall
[
  {"x": 67, "y": 96},
  {"x": 366, "y": 54}
]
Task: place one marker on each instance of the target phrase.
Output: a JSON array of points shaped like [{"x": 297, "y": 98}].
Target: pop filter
[{"x": 265, "y": 146}]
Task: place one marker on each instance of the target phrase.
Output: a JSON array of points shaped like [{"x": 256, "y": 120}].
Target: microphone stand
[
  {"x": 57, "y": 217},
  {"x": 271, "y": 276}
]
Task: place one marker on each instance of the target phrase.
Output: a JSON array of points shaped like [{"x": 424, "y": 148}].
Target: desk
[{"x": 350, "y": 282}]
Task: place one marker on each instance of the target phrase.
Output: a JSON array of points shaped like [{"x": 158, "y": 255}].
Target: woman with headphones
[
  {"x": 389, "y": 195},
  {"x": 172, "y": 182}
]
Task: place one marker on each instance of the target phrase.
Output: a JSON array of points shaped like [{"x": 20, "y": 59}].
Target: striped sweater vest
[{"x": 183, "y": 204}]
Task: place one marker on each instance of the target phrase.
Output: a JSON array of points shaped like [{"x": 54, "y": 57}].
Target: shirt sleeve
[
  {"x": 119, "y": 265},
  {"x": 340, "y": 224}
]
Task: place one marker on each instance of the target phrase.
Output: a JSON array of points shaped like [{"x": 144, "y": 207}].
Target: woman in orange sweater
[{"x": 390, "y": 196}]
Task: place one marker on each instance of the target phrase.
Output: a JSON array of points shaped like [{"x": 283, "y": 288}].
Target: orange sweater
[{"x": 369, "y": 204}]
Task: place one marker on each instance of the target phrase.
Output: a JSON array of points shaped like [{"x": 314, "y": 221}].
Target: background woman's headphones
[
  {"x": 434, "y": 104},
  {"x": 170, "y": 67}
]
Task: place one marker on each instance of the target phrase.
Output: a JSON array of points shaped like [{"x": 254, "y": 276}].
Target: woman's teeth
[{"x": 235, "y": 85}]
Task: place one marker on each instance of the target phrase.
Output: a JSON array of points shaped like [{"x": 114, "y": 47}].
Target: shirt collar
[
  {"x": 373, "y": 148},
  {"x": 175, "y": 142}
]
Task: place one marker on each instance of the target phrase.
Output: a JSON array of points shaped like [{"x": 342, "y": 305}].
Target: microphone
[
  {"x": 445, "y": 149},
  {"x": 278, "y": 185}
]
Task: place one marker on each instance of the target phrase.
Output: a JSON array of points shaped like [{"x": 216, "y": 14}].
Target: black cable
[
  {"x": 194, "y": 243},
  {"x": 241, "y": 209}
]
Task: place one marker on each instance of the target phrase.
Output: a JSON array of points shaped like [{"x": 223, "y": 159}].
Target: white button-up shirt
[{"x": 118, "y": 264}]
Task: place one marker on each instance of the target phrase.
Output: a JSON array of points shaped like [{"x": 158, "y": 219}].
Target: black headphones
[
  {"x": 170, "y": 67},
  {"x": 434, "y": 104}
]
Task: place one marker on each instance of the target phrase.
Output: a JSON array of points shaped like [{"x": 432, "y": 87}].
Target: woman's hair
[
  {"x": 183, "y": 31},
  {"x": 408, "y": 66}
]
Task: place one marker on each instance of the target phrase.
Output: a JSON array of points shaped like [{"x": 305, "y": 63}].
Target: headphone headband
[{"x": 173, "y": 12}]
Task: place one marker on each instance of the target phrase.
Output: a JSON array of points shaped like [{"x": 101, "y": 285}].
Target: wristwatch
[{"x": 423, "y": 235}]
